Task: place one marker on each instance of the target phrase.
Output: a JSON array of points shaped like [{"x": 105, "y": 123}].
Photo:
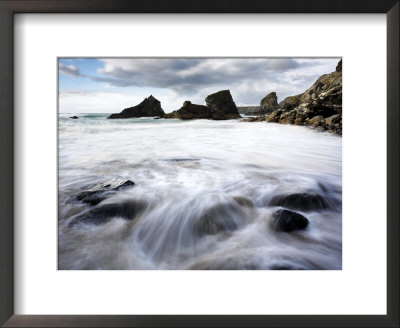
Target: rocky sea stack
[
  {"x": 222, "y": 106},
  {"x": 190, "y": 111},
  {"x": 219, "y": 106},
  {"x": 149, "y": 107},
  {"x": 320, "y": 106},
  {"x": 267, "y": 105}
]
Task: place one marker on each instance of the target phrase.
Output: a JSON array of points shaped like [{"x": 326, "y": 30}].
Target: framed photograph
[{"x": 218, "y": 164}]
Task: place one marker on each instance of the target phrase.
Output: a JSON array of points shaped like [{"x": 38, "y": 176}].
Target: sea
[{"x": 205, "y": 188}]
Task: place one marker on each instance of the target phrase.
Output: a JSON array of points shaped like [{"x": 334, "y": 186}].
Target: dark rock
[
  {"x": 222, "y": 106},
  {"x": 219, "y": 218},
  {"x": 339, "y": 66},
  {"x": 316, "y": 121},
  {"x": 178, "y": 160},
  {"x": 173, "y": 114},
  {"x": 102, "y": 214},
  {"x": 191, "y": 111},
  {"x": 284, "y": 267},
  {"x": 327, "y": 104},
  {"x": 290, "y": 102},
  {"x": 332, "y": 120},
  {"x": 74, "y": 117},
  {"x": 99, "y": 192},
  {"x": 254, "y": 119},
  {"x": 243, "y": 201},
  {"x": 269, "y": 103},
  {"x": 322, "y": 99},
  {"x": 287, "y": 267},
  {"x": 300, "y": 201},
  {"x": 288, "y": 117},
  {"x": 274, "y": 116},
  {"x": 287, "y": 221},
  {"x": 299, "y": 120},
  {"x": 149, "y": 107}
]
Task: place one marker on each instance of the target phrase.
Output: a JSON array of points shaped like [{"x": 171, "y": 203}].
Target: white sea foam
[{"x": 188, "y": 173}]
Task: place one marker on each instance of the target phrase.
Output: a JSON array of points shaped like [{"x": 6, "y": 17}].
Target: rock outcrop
[
  {"x": 302, "y": 202},
  {"x": 97, "y": 193},
  {"x": 290, "y": 102},
  {"x": 222, "y": 217},
  {"x": 287, "y": 221},
  {"x": 339, "y": 66},
  {"x": 320, "y": 106},
  {"x": 101, "y": 214},
  {"x": 149, "y": 107},
  {"x": 222, "y": 106},
  {"x": 269, "y": 103},
  {"x": 190, "y": 111}
]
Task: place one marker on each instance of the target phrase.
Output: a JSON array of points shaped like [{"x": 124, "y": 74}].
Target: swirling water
[{"x": 205, "y": 188}]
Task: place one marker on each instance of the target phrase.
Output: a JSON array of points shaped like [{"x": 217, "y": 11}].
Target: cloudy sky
[{"x": 88, "y": 85}]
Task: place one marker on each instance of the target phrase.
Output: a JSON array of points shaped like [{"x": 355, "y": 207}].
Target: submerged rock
[
  {"x": 300, "y": 201},
  {"x": 287, "y": 221},
  {"x": 254, "y": 119},
  {"x": 243, "y": 201},
  {"x": 219, "y": 218},
  {"x": 102, "y": 214},
  {"x": 222, "y": 106},
  {"x": 101, "y": 191},
  {"x": 285, "y": 267},
  {"x": 149, "y": 107}
]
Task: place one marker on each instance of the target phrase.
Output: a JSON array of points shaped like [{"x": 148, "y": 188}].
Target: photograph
[{"x": 199, "y": 163}]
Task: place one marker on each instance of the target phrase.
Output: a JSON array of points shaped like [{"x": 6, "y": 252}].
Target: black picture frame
[{"x": 10, "y": 7}]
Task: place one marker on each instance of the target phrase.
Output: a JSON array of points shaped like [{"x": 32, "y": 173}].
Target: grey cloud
[
  {"x": 249, "y": 79},
  {"x": 69, "y": 70},
  {"x": 111, "y": 81},
  {"x": 173, "y": 73}
]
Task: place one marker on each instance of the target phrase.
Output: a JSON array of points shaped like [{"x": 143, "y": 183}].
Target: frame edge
[{"x": 6, "y": 166}]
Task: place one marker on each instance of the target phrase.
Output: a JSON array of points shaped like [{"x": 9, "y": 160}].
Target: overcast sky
[{"x": 110, "y": 85}]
